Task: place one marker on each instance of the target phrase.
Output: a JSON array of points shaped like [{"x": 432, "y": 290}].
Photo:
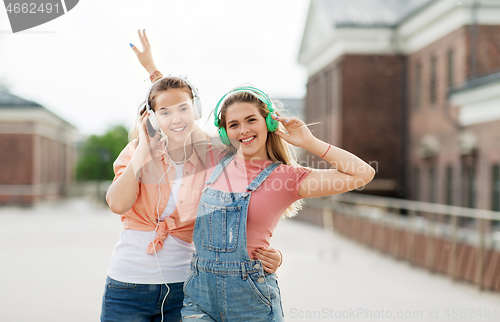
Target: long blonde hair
[{"x": 278, "y": 150}]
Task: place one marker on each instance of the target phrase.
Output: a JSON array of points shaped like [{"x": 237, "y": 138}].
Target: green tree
[{"x": 99, "y": 152}]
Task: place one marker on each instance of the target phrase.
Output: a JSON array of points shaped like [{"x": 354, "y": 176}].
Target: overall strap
[
  {"x": 262, "y": 176},
  {"x": 219, "y": 168}
]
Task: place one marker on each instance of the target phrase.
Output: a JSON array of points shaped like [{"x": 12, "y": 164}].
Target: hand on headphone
[
  {"x": 147, "y": 134},
  {"x": 145, "y": 56},
  {"x": 298, "y": 133}
]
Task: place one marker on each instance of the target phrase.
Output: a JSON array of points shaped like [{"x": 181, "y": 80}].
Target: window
[
  {"x": 432, "y": 184},
  {"x": 450, "y": 68},
  {"x": 325, "y": 102},
  {"x": 495, "y": 188},
  {"x": 471, "y": 193},
  {"x": 418, "y": 84},
  {"x": 449, "y": 185},
  {"x": 433, "y": 82},
  {"x": 416, "y": 184}
]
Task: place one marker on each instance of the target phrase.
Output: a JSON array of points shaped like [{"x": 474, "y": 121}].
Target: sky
[{"x": 81, "y": 67}]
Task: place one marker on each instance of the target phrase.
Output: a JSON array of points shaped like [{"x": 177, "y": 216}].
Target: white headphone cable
[{"x": 158, "y": 208}]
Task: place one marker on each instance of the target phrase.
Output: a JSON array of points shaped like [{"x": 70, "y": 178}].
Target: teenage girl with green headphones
[{"x": 256, "y": 182}]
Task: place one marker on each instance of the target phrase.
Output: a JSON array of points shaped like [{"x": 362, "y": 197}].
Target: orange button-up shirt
[{"x": 146, "y": 210}]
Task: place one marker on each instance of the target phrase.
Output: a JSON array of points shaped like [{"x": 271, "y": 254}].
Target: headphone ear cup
[
  {"x": 154, "y": 120},
  {"x": 272, "y": 124},
  {"x": 197, "y": 108},
  {"x": 223, "y": 136}
]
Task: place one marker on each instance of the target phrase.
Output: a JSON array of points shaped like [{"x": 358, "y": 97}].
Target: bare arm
[
  {"x": 145, "y": 56},
  {"x": 350, "y": 171},
  {"x": 122, "y": 193}
]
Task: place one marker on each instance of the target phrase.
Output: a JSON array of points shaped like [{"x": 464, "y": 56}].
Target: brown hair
[
  {"x": 277, "y": 149},
  {"x": 162, "y": 85}
]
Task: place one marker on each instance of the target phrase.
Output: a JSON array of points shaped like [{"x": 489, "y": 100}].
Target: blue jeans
[
  {"x": 253, "y": 298},
  {"x": 129, "y": 302}
]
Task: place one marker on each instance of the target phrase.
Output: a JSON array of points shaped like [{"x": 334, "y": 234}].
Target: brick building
[
  {"x": 415, "y": 86},
  {"x": 38, "y": 152}
]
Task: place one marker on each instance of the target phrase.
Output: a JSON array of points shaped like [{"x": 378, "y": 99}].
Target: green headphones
[{"x": 272, "y": 125}]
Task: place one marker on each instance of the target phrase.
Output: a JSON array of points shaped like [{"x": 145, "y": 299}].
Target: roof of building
[
  {"x": 9, "y": 100},
  {"x": 371, "y": 13}
]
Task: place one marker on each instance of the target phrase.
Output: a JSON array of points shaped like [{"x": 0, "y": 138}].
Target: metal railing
[{"x": 378, "y": 220}]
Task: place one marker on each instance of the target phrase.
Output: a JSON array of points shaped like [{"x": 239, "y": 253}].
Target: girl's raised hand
[
  {"x": 145, "y": 56},
  {"x": 147, "y": 134},
  {"x": 298, "y": 132}
]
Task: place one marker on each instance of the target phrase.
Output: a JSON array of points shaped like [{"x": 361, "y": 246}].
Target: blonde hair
[{"x": 278, "y": 150}]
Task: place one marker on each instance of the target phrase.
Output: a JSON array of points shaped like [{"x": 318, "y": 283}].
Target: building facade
[
  {"x": 38, "y": 152},
  {"x": 412, "y": 85}
]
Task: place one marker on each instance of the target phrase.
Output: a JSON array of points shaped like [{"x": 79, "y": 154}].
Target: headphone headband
[
  {"x": 272, "y": 125},
  {"x": 244, "y": 89},
  {"x": 194, "y": 90}
]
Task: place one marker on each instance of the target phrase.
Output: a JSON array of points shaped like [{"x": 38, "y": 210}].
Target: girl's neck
[
  {"x": 179, "y": 152},
  {"x": 254, "y": 157}
]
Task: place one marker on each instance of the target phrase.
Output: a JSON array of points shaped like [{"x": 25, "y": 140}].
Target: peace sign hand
[
  {"x": 145, "y": 56},
  {"x": 298, "y": 132}
]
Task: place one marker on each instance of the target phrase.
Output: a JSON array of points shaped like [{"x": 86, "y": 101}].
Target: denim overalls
[{"x": 224, "y": 283}]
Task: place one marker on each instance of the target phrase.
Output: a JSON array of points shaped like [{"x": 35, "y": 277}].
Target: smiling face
[
  {"x": 175, "y": 114},
  {"x": 247, "y": 130}
]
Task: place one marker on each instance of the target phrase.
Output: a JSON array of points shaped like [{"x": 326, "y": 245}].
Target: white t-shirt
[{"x": 130, "y": 261}]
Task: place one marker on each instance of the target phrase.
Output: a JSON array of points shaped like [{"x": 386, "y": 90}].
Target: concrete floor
[{"x": 53, "y": 261}]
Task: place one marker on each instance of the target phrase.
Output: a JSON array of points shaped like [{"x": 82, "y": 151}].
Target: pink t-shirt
[{"x": 269, "y": 201}]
